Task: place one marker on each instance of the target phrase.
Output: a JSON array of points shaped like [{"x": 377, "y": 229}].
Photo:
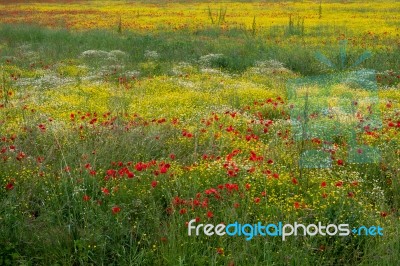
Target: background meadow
[{"x": 120, "y": 121}]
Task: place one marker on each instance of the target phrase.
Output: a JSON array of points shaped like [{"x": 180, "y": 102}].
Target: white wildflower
[{"x": 151, "y": 55}]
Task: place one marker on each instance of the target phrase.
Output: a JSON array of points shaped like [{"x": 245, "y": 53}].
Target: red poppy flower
[
  {"x": 42, "y": 127},
  {"x": 164, "y": 168},
  {"x": 267, "y": 172},
  {"x": 140, "y": 166},
  {"x": 231, "y": 173},
  {"x": 323, "y": 184},
  {"x": 111, "y": 173},
  {"x": 296, "y": 205},
  {"x": 10, "y": 186},
  {"x": 21, "y": 155},
  {"x": 154, "y": 183},
  {"x": 254, "y": 157},
  {"x": 169, "y": 210},
  {"x": 339, "y": 183},
  {"x": 210, "y": 214},
  {"x": 294, "y": 181},
  {"x": 182, "y": 211},
  {"x": 105, "y": 191},
  {"x": 257, "y": 200},
  {"x": 340, "y": 162},
  {"x": 86, "y": 198},
  {"x": 251, "y": 170},
  {"x": 130, "y": 174},
  {"x": 230, "y": 128},
  {"x": 115, "y": 209},
  {"x": 231, "y": 187}
]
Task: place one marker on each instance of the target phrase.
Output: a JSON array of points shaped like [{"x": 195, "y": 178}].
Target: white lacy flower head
[
  {"x": 269, "y": 66},
  {"x": 95, "y": 53},
  {"x": 211, "y": 71},
  {"x": 132, "y": 73},
  {"x": 272, "y": 63},
  {"x": 25, "y": 50},
  {"x": 206, "y": 60},
  {"x": 113, "y": 55},
  {"x": 117, "y": 53},
  {"x": 188, "y": 84},
  {"x": 183, "y": 68},
  {"x": 48, "y": 80},
  {"x": 151, "y": 55}
]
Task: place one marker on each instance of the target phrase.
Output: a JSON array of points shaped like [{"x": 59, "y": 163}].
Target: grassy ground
[{"x": 111, "y": 140}]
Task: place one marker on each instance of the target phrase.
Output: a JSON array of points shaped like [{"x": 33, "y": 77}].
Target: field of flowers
[{"x": 121, "y": 121}]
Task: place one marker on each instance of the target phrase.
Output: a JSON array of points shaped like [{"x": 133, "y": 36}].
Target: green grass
[
  {"x": 239, "y": 48},
  {"x": 68, "y": 121}
]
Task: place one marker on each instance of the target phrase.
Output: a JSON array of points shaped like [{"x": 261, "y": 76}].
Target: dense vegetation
[{"x": 114, "y": 136}]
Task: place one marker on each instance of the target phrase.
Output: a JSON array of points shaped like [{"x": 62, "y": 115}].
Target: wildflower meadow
[{"x": 199, "y": 132}]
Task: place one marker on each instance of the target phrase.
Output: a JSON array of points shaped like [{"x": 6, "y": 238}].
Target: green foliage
[
  {"x": 295, "y": 27},
  {"x": 86, "y": 107},
  {"x": 220, "y": 16}
]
